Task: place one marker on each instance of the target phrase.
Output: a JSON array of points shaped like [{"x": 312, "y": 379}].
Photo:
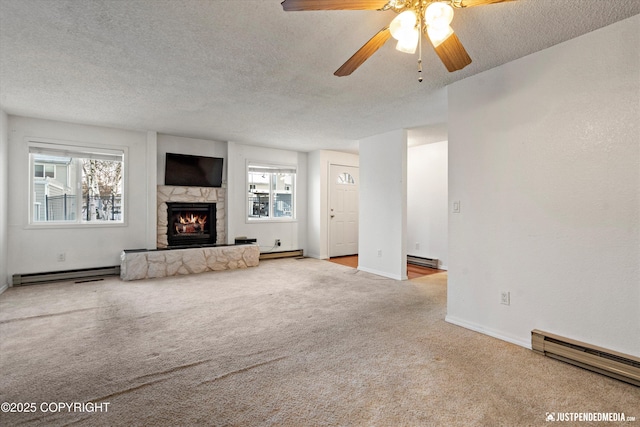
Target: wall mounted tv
[{"x": 193, "y": 171}]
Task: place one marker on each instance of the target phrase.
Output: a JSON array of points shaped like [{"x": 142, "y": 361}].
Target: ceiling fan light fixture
[
  {"x": 439, "y": 35},
  {"x": 403, "y": 25},
  {"x": 438, "y": 15},
  {"x": 409, "y": 42}
]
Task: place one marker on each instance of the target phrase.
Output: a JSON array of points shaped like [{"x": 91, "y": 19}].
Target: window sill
[
  {"x": 269, "y": 220},
  {"x": 74, "y": 225}
]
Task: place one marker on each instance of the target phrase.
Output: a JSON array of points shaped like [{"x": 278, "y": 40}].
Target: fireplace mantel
[{"x": 169, "y": 193}]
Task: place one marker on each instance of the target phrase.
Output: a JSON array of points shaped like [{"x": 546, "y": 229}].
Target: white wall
[
  {"x": 292, "y": 234},
  {"x": 318, "y": 194},
  {"x": 194, "y": 147},
  {"x": 4, "y": 191},
  {"x": 34, "y": 250},
  {"x": 152, "y": 196},
  {"x": 383, "y": 205},
  {"x": 544, "y": 155},
  {"x": 427, "y": 201}
]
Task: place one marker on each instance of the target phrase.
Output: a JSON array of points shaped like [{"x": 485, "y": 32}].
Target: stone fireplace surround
[
  {"x": 147, "y": 264},
  {"x": 170, "y": 193}
]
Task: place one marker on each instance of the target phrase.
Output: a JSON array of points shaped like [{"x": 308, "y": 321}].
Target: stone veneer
[
  {"x": 135, "y": 265},
  {"x": 169, "y": 193}
]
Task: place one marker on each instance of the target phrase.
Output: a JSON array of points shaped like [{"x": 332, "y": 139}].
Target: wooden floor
[{"x": 413, "y": 271}]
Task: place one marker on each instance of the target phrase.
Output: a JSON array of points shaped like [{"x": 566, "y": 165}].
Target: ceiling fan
[{"x": 415, "y": 17}]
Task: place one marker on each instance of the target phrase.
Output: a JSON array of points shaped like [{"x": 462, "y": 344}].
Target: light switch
[{"x": 456, "y": 206}]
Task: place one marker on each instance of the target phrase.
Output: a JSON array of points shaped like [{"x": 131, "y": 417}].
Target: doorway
[{"x": 343, "y": 210}]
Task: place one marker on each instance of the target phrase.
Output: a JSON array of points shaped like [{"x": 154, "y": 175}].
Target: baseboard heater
[
  {"x": 282, "y": 254},
  {"x": 423, "y": 262},
  {"x": 607, "y": 362},
  {"x": 56, "y": 276}
]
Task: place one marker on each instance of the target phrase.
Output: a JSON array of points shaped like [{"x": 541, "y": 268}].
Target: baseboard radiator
[
  {"x": 607, "y": 362},
  {"x": 282, "y": 254},
  {"x": 423, "y": 262},
  {"x": 56, "y": 276}
]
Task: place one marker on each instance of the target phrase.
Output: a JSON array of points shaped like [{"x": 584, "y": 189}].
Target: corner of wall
[
  {"x": 4, "y": 190},
  {"x": 152, "y": 184},
  {"x": 383, "y": 190}
]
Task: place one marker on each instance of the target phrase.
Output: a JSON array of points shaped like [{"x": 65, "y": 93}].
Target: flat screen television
[{"x": 193, "y": 171}]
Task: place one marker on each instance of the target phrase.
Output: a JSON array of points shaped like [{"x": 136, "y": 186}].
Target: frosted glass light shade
[
  {"x": 403, "y": 24},
  {"x": 409, "y": 42},
  {"x": 438, "y": 35},
  {"x": 438, "y": 15}
]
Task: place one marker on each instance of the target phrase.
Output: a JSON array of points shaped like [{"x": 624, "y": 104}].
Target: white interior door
[{"x": 343, "y": 210}]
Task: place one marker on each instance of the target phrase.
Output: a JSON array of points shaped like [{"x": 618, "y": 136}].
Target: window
[
  {"x": 74, "y": 184},
  {"x": 345, "y": 179},
  {"x": 44, "y": 171},
  {"x": 271, "y": 192}
]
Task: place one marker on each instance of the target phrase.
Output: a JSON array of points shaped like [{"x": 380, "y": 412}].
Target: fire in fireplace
[{"x": 191, "y": 224}]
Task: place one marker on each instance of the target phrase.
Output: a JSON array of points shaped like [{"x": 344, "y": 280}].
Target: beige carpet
[{"x": 291, "y": 342}]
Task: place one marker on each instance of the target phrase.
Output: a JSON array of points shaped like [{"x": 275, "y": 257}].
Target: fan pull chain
[{"x": 420, "y": 51}]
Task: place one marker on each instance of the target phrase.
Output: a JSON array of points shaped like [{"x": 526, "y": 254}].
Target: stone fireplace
[
  {"x": 190, "y": 201},
  {"x": 192, "y": 204}
]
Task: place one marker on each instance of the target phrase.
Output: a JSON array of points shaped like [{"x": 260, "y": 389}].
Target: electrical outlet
[
  {"x": 379, "y": 253},
  {"x": 61, "y": 257},
  {"x": 278, "y": 242},
  {"x": 505, "y": 297}
]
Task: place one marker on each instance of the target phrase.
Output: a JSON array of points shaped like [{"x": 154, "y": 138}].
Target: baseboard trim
[
  {"x": 4, "y": 288},
  {"x": 487, "y": 331},
  {"x": 381, "y": 273}
]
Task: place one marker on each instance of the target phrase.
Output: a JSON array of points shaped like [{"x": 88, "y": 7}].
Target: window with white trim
[
  {"x": 75, "y": 184},
  {"x": 43, "y": 170},
  {"x": 270, "y": 192}
]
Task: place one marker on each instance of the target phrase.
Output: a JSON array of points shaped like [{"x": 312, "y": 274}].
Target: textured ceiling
[{"x": 245, "y": 71}]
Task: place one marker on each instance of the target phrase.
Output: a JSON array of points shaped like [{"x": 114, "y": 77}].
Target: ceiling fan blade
[
  {"x": 471, "y": 3},
  {"x": 452, "y": 54},
  {"x": 364, "y": 53},
  {"x": 296, "y": 5}
]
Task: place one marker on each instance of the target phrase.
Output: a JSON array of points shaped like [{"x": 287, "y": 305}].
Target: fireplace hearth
[{"x": 191, "y": 224}]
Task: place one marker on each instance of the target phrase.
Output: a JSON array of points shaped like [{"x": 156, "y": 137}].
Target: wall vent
[
  {"x": 56, "y": 276},
  {"x": 607, "y": 362},
  {"x": 423, "y": 262}
]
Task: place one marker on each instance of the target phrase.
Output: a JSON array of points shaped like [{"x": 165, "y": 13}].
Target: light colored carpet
[{"x": 293, "y": 342}]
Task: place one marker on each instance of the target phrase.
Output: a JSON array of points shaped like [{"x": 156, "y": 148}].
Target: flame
[
  {"x": 193, "y": 219},
  {"x": 190, "y": 224}
]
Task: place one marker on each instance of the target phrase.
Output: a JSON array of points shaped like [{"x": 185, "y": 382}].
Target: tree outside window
[{"x": 73, "y": 184}]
